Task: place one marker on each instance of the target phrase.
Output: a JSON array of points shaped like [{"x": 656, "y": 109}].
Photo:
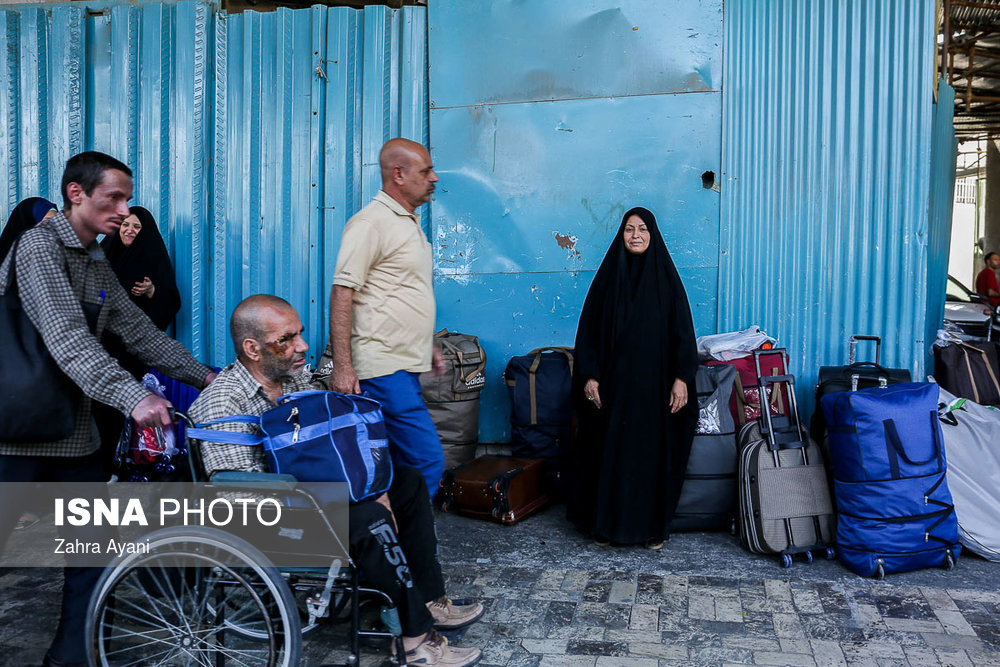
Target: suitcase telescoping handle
[
  {"x": 782, "y": 437},
  {"x": 853, "y": 343}
]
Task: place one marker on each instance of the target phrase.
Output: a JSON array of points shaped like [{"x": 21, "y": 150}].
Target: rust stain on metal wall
[{"x": 568, "y": 242}]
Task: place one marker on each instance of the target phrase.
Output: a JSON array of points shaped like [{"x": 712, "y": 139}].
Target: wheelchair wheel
[{"x": 181, "y": 602}]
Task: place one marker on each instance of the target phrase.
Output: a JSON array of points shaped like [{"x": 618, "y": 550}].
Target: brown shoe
[
  {"x": 435, "y": 651},
  {"x": 449, "y": 616}
]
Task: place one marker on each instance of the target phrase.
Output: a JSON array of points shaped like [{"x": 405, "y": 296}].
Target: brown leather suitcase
[{"x": 498, "y": 488}]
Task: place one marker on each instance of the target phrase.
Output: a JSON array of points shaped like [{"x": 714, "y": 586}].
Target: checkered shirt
[
  {"x": 54, "y": 274},
  {"x": 236, "y": 392}
]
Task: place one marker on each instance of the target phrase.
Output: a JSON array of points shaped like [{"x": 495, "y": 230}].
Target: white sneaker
[
  {"x": 450, "y": 616},
  {"x": 435, "y": 651}
]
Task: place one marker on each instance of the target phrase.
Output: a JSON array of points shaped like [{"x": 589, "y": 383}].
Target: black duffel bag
[
  {"x": 969, "y": 370},
  {"x": 541, "y": 411}
]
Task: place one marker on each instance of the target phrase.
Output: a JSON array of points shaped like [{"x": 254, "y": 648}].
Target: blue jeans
[{"x": 413, "y": 440}]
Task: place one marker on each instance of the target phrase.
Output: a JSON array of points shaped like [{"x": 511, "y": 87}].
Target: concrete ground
[{"x": 555, "y": 598}]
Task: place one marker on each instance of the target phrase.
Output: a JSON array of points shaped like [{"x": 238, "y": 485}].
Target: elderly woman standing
[{"x": 634, "y": 372}]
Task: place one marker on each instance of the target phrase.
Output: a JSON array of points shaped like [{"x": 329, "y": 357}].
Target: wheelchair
[{"x": 201, "y": 596}]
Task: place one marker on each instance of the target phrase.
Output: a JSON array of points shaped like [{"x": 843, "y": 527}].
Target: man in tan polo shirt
[{"x": 382, "y": 308}]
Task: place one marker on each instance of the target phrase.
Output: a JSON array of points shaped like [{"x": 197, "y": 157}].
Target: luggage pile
[{"x": 541, "y": 409}]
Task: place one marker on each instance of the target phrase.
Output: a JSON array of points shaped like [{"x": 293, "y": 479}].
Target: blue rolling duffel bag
[{"x": 894, "y": 510}]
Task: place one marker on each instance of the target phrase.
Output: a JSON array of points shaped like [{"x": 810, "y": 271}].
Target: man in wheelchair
[{"x": 392, "y": 538}]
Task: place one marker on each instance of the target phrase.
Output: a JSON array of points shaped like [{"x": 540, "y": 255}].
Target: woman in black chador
[
  {"x": 634, "y": 373},
  {"x": 140, "y": 260}
]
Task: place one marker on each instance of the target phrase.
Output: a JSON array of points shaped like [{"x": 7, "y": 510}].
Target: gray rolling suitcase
[
  {"x": 784, "y": 501},
  {"x": 708, "y": 496}
]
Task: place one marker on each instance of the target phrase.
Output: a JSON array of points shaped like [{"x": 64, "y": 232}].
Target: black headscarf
[
  {"x": 635, "y": 337},
  {"x": 147, "y": 256},
  {"x": 24, "y": 216},
  {"x": 637, "y": 300}
]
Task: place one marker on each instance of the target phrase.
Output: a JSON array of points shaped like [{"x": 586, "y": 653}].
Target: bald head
[
  {"x": 251, "y": 317},
  {"x": 398, "y": 152},
  {"x": 407, "y": 173}
]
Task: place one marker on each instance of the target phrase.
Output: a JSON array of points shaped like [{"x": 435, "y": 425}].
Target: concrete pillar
[{"x": 991, "y": 224}]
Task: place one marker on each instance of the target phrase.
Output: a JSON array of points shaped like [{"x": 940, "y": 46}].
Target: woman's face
[
  {"x": 129, "y": 230},
  {"x": 636, "y": 235}
]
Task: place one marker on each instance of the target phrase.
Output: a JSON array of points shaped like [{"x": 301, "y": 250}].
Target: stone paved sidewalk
[{"x": 554, "y": 598}]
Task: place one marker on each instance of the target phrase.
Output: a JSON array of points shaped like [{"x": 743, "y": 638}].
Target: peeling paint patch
[
  {"x": 565, "y": 241},
  {"x": 568, "y": 242}
]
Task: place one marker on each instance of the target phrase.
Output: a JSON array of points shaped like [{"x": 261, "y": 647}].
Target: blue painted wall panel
[
  {"x": 546, "y": 126},
  {"x": 507, "y": 51},
  {"x": 253, "y": 137}
]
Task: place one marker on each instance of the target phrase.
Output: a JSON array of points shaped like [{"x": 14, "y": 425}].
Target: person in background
[
  {"x": 634, "y": 372},
  {"x": 139, "y": 258},
  {"x": 988, "y": 280},
  {"x": 28, "y": 213},
  {"x": 25, "y": 215}
]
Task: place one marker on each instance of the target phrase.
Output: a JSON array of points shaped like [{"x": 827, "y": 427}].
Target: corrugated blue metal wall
[
  {"x": 548, "y": 121},
  {"x": 253, "y": 137},
  {"x": 944, "y": 154},
  {"x": 827, "y": 146}
]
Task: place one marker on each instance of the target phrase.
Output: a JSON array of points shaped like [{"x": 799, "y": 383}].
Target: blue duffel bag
[
  {"x": 318, "y": 436},
  {"x": 894, "y": 510}
]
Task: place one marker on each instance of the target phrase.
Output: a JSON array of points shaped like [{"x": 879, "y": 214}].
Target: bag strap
[
  {"x": 896, "y": 451},
  {"x": 559, "y": 348},
  {"x": 532, "y": 370},
  {"x": 199, "y": 432},
  {"x": 454, "y": 349},
  {"x": 986, "y": 362}
]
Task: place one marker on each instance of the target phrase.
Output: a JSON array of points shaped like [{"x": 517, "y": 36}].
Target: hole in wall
[{"x": 708, "y": 180}]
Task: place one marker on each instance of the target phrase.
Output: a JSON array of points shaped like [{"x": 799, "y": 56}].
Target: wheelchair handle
[{"x": 179, "y": 416}]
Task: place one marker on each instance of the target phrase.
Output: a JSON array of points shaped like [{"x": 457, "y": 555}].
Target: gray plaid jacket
[{"x": 51, "y": 298}]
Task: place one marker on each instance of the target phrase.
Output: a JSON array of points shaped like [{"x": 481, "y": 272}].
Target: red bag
[{"x": 745, "y": 403}]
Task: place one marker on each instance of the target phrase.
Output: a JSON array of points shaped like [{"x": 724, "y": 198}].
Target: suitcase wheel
[
  {"x": 446, "y": 506},
  {"x": 949, "y": 560},
  {"x": 831, "y": 553},
  {"x": 809, "y": 557},
  {"x": 879, "y": 569},
  {"x": 786, "y": 560}
]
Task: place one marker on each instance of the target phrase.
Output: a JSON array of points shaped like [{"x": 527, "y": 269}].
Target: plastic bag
[
  {"x": 733, "y": 344},
  {"x": 147, "y": 452}
]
